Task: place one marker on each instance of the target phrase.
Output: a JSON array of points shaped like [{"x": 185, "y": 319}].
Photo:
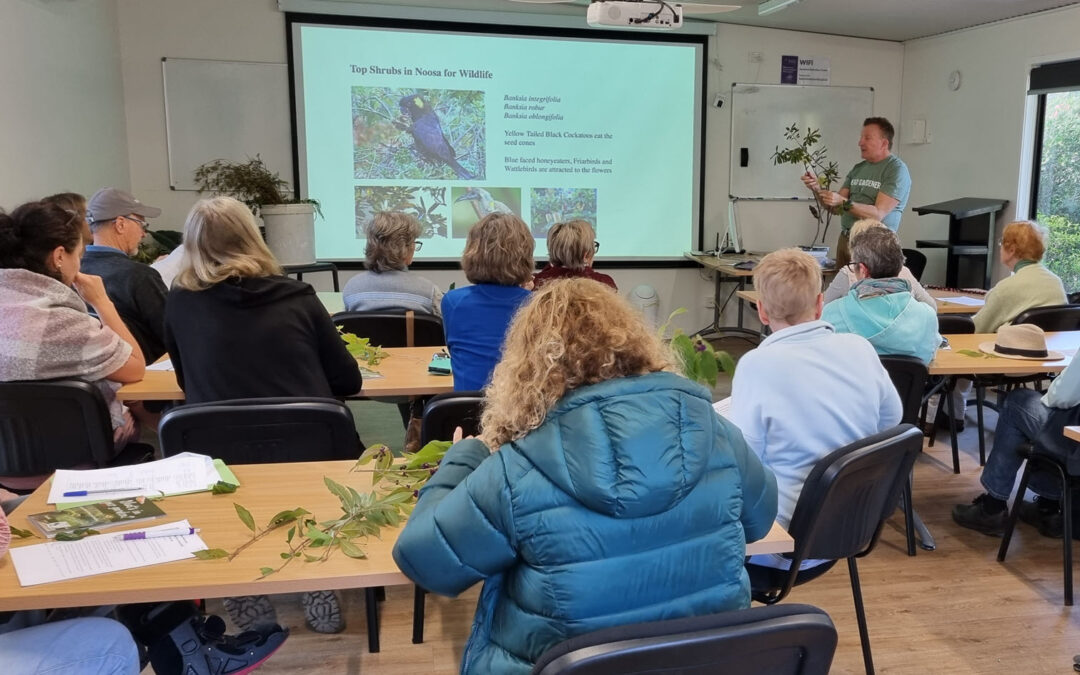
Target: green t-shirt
[{"x": 866, "y": 180}]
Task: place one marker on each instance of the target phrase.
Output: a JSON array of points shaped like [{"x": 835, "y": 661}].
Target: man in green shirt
[{"x": 876, "y": 188}]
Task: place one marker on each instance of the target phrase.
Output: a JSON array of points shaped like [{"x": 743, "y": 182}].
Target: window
[{"x": 1055, "y": 199}]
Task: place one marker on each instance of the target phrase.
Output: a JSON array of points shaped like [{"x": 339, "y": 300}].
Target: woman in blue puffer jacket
[{"x": 603, "y": 489}]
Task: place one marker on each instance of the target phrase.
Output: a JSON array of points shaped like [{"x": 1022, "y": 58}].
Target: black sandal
[{"x": 199, "y": 646}]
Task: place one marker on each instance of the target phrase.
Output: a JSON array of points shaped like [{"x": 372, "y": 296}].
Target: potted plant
[
  {"x": 288, "y": 224},
  {"x": 816, "y": 163}
]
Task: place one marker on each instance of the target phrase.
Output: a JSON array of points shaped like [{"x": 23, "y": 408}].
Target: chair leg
[
  {"x": 371, "y": 603},
  {"x": 980, "y": 397},
  {"x": 1014, "y": 513},
  {"x": 1066, "y": 531},
  {"x": 909, "y": 518},
  {"x": 952, "y": 426},
  {"x": 860, "y": 615},
  {"x": 418, "y": 615}
]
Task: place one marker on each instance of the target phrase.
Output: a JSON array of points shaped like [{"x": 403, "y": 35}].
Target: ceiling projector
[{"x": 635, "y": 14}]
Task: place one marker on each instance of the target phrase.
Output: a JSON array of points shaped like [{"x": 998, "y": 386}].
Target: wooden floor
[{"x": 953, "y": 610}]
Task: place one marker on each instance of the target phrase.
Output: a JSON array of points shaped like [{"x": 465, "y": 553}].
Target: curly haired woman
[{"x": 603, "y": 489}]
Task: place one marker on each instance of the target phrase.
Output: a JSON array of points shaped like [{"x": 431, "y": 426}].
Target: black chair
[
  {"x": 299, "y": 271},
  {"x": 58, "y": 424},
  {"x": 956, "y": 324},
  {"x": 915, "y": 261},
  {"x": 840, "y": 514},
  {"x": 1052, "y": 318},
  {"x": 443, "y": 414},
  {"x": 909, "y": 375},
  {"x": 262, "y": 430},
  {"x": 794, "y": 638},
  {"x": 393, "y": 328}
]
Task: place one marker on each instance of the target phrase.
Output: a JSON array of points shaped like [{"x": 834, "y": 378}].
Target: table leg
[{"x": 371, "y": 603}]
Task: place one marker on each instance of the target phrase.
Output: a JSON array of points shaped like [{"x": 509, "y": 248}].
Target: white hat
[{"x": 1022, "y": 341}]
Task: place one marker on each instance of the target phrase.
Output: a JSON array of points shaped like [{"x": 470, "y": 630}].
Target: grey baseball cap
[{"x": 109, "y": 203}]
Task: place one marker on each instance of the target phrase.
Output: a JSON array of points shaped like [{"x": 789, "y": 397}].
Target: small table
[
  {"x": 752, "y": 296},
  {"x": 1072, "y": 433},
  {"x": 404, "y": 373}
]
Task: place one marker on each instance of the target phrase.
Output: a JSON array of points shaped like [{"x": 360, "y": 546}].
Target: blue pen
[{"x": 86, "y": 493}]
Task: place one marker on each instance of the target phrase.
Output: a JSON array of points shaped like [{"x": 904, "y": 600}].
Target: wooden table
[
  {"x": 951, "y": 362},
  {"x": 752, "y": 296},
  {"x": 404, "y": 374},
  {"x": 1073, "y": 433},
  {"x": 265, "y": 489}
]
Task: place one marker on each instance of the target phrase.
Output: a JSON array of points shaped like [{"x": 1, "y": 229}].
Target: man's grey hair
[{"x": 879, "y": 249}]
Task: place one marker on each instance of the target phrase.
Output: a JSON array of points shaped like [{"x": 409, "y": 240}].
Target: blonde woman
[
  {"x": 236, "y": 328},
  {"x": 571, "y": 247},
  {"x": 603, "y": 488},
  {"x": 498, "y": 261},
  {"x": 846, "y": 277},
  {"x": 387, "y": 283}
]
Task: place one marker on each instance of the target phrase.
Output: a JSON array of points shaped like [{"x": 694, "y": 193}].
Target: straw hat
[{"x": 1022, "y": 341}]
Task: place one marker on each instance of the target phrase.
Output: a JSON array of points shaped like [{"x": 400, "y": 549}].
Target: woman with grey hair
[{"x": 387, "y": 283}]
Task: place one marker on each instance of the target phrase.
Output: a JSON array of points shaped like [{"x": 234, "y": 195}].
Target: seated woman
[
  {"x": 498, "y": 261},
  {"x": 880, "y": 306},
  {"x": 73, "y": 201},
  {"x": 391, "y": 244},
  {"x": 598, "y": 475},
  {"x": 236, "y": 328},
  {"x": 571, "y": 247},
  {"x": 1030, "y": 285},
  {"x": 845, "y": 278},
  {"x": 46, "y": 332}
]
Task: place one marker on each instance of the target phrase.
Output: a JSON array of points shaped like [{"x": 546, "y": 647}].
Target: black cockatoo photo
[{"x": 428, "y": 137}]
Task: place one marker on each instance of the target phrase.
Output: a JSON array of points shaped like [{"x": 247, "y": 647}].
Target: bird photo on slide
[
  {"x": 471, "y": 204},
  {"x": 427, "y": 134},
  {"x": 428, "y": 137}
]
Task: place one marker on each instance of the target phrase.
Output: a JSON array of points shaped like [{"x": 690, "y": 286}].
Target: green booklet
[{"x": 97, "y": 516}]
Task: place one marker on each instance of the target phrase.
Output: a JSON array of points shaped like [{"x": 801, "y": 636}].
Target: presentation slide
[{"x": 450, "y": 127}]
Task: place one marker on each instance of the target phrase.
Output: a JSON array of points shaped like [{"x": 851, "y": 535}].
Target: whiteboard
[
  {"x": 226, "y": 110},
  {"x": 761, "y": 112}
]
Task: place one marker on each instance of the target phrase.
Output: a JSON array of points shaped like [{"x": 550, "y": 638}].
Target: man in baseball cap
[{"x": 118, "y": 222}]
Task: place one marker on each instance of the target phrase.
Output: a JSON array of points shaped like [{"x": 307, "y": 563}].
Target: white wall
[
  {"x": 62, "y": 116},
  {"x": 253, "y": 30},
  {"x": 977, "y": 130}
]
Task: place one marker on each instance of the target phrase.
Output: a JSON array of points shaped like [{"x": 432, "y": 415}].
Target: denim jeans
[
  {"x": 1022, "y": 417},
  {"x": 87, "y": 646}
]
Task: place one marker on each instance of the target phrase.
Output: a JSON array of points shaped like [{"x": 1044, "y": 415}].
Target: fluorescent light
[{"x": 771, "y": 6}]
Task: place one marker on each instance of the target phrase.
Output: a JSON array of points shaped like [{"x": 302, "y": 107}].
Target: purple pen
[{"x": 158, "y": 534}]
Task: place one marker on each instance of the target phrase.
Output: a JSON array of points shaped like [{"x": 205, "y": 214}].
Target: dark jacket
[
  {"x": 553, "y": 272},
  {"x": 632, "y": 502},
  {"x": 138, "y": 293},
  {"x": 255, "y": 338}
]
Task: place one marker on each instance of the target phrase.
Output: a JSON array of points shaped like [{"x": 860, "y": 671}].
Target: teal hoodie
[
  {"x": 632, "y": 502},
  {"x": 890, "y": 318}
]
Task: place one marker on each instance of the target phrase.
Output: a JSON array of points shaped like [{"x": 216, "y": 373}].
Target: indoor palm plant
[{"x": 289, "y": 224}]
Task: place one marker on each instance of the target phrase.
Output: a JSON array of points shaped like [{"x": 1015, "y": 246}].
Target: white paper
[
  {"x": 99, "y": 554},
  {"x": 964, "y": 300},
  {"x": 185, "y": 472},
  {"x": 723, "y": 408},
  {"x": 161, "y": 365}
]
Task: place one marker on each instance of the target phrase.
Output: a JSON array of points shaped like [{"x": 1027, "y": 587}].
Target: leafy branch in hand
[{"x": 815, "y": 161}]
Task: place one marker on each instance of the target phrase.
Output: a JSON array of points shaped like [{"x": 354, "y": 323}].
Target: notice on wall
[{"x": 804, "y": 70}]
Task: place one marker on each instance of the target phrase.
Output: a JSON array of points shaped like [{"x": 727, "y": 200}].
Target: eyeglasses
[
  {"x": 853, "y": 266},
  {"x": 418, "y": 245},
  {"x": 595, "y": 246},
  {"x": 142, "y": 223}
]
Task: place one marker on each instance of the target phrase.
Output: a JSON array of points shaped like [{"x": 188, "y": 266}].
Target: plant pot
[{"x": 290, "y": 232}]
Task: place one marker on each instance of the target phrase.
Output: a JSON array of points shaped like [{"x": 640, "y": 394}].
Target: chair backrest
[
  {"x": 1054, "y": 317},
  {"x": 909, "y": 376},
  {"x": 849, "y": 494},
  {"x": 445, "y": 412},
  {"x": 955, "y": 324},
  {"x": 52, "y": 425},
  {"x": 262, "y": 430},
  {"x": 915, "y": 261},
  {"x": 787, "y": 638},
  {"x": 390, "y": 328}
]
